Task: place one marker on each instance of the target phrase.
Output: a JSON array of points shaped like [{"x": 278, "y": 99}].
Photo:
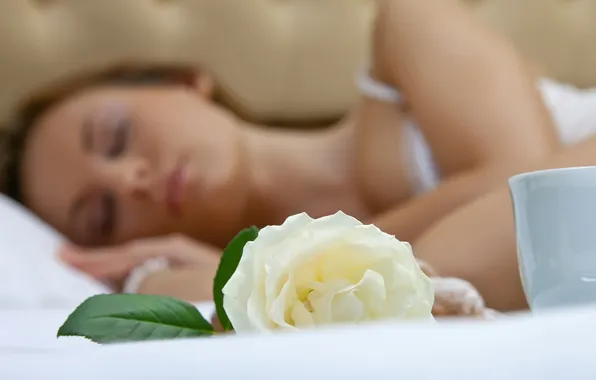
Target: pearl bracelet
[{"x": 138, "y": 275}]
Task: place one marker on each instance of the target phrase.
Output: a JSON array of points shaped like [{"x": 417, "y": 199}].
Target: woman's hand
[{"x": 115, "y": 263}]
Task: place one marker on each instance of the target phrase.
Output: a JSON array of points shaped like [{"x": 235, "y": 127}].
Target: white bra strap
[{"x": 376, "y": 90}]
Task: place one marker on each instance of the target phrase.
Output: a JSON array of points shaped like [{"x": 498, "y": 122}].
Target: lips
[{"x": 175, "y": 185}]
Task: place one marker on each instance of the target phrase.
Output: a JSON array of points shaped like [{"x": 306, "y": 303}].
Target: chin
[
  {"x": 231, "y": 196},
  {"x": 222, "y": 204},
  {"x": 219, "y": 215}
]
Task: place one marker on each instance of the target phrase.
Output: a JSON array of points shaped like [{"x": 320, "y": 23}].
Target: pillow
[{"x": 31, "y": 277}]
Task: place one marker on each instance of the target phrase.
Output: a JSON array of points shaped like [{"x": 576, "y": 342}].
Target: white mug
[{"x": 555, "y": 223}]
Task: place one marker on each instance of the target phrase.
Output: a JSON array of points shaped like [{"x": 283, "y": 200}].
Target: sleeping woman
[{"x": 141, "y": 162}]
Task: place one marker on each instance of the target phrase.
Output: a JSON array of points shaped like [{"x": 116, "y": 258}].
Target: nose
[{"x": 136, "y": 180}]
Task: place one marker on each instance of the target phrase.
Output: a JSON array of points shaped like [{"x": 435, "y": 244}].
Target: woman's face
[{"x": 112, "y": 164}]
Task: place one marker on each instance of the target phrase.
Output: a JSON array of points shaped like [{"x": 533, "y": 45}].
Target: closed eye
[
  {"x": 94, "y": 215},
  {"x": 119, "y": 141},
  {"x": 106, "y": 222}
]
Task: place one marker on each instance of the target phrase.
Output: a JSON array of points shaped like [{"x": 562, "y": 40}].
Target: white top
[{"x": 573, "y": 110}]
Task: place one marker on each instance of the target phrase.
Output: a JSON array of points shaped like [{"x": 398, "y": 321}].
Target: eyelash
[
  {"x": 119, "y": 143},
  {"x": 108, "y": 216}
]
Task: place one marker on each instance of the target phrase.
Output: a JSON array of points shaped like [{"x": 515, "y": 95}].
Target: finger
[
  {"x": 106, "y": 269},
  {"x": 115, "y": 262},
  {"x": 67, "y": 250},
  {"x": 120, "y": 260},
  {"x": 99, "y": 263},
  {"x": 83, "y": 256},
  {"x": 176, "y": 250}
]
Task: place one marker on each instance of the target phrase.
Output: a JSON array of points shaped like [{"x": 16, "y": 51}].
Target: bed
[
  {"x": 553, "y": 346},
  {"x": 289, "y": 51}
]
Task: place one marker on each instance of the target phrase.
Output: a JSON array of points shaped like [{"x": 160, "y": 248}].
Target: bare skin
[
  {"x": 125, "y": 143},
  {"x": 496, "y": 110},
  {"x": 477, "y": 242},
  {"x": 238, "y": 174}
]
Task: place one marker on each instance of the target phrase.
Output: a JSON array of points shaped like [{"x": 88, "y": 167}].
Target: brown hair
[{"x": 13, "y": 138}]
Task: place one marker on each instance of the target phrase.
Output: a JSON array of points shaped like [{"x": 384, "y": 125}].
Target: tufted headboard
[{"x": 280, "y": 59}]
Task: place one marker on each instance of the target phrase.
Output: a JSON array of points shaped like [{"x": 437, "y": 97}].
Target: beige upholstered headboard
[{"x": 281, "y": 59}]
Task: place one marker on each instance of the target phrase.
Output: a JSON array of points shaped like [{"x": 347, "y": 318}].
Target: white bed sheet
[
  {"x": 34, "y": 331},
  {"x": 554, "y": 346}
]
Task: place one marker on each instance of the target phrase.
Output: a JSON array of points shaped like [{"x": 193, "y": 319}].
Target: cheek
[
  {"x": 50, "y": 187},
  {"x": 146, "y": 137},
  {"x": 220, "y": 154},
  {"x": 140, "y": 220},
  {"x": 200, "y": 131},
  {"x": 218, "y": 135},
  {"x": 163, "y": 133}
]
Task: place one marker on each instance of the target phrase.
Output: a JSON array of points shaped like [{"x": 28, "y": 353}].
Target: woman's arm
[
  {"x": 408, "y": 221},
  {"x": 477, "y": 242},
  {"x": 472, "y": 96}
]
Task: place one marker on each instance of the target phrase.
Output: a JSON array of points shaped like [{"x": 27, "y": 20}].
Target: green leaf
[
  {"x": 227, "y": 266},
  {"x": 110, "y": 318}
]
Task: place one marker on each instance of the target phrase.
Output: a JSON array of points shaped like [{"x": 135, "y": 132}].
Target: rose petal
[
  {"x": 278, "y": 309},
  {"x": 328, "y": 233},
  {"x": 271, "y": 236},
  {"x": 346, "y": 262},
  {"x": 403, "y": 277},
  {"x": 301, "y": 317},
  {"x": 346, "y": 307},
  {"x": 256, "y": 312},
  {"x": 275, "y": 278},
  {"x": 236, "y": 313},
  {"x": 372, "y": 293},
  {"x": 332, "y": 223},
  {"x": 241, "y": 283},
  {"x": 320, "y": 302},
  {"x": 384, "y": 267},
  {"x": 410, "y": 300}
]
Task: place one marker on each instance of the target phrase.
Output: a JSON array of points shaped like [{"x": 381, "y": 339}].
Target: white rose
[{"x": 309, "y": 272}]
